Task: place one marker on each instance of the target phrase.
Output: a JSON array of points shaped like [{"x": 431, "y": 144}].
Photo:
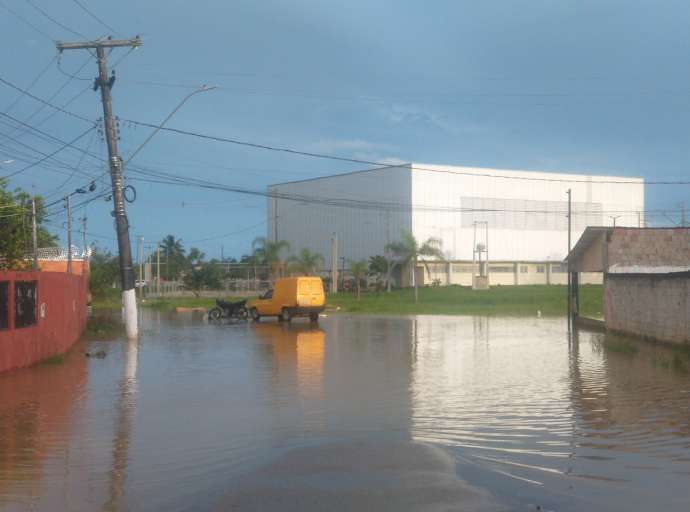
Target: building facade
[
  {"x": 646, "y": 279},
  {"x": 519, "y": 216}
]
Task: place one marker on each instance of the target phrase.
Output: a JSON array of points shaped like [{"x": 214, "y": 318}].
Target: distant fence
[{"x": 229, "y": 286}]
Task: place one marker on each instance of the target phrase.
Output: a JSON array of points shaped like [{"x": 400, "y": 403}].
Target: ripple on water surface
[{"x": 179, "y": 418}]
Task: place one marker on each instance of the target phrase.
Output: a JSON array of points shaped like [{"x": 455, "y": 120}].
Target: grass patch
[
  {"x": 458, "y": 300},
  {"x": 620, "y": 345},
  {"x": 104, "y": 325},
  {"x": 53, "y": 360},
  {"x": 168, "y": 304}
]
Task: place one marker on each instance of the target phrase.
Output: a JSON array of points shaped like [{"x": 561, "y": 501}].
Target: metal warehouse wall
[
  {"x": 361, "y": 232},
  {"x": 517, "y": 231}
]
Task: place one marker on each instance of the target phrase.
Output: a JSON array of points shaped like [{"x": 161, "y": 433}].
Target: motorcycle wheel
[
  {"x": 243, "y": 314},
  {"x": 215, "y": 314}
]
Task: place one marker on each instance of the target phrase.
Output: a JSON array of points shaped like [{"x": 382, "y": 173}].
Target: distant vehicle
[
  {"x": 292, "y": 297},
  {"x": 224, "y": 309}
]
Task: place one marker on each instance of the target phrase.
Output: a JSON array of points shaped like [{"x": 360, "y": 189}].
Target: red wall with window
[{"x": 57, "y": 320}]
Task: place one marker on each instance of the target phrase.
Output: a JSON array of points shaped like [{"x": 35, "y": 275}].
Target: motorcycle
[{"x": 232, "y": 310}]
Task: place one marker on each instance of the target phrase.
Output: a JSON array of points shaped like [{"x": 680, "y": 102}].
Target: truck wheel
[
  {"x": 313, "y": 317},
  {"x": 255, "y": 314},
  {"x": 285, "y": 315}
]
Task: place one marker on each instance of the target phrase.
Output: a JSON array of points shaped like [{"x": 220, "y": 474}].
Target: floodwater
[{"x": 360, "y": 413}]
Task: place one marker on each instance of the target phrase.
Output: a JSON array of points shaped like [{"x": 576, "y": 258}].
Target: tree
[
  {"x": 195, "y": 257},
  {"x": 270, "y": 254},
  {"x": 382, "y": 267},
  {"x": 408, "y": 252},
  {"x": 15, "y": 227},
  {"x": 104, "y": 271},
  {"x": 359, "y": 270},
  {"x": 174, "y": 254},
  {"x": 305, "y": 263},
  {"x": 204, "y": 276}
]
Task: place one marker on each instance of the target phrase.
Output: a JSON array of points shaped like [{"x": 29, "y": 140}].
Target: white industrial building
[{"x": 525, "y": 213}]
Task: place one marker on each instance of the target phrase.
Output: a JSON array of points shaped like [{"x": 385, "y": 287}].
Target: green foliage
[
  {"x": 206, "y": 276},
  {"x": 382, "y": 268},
  {"x": 305, "y": 263},
  {"x": 15, "y": 227},
  {"x": 173, "y": 258},
  {"x": 409, "y": 251},
  {"x": 105, "y": 272},
  {"x": 359, "y": 270},
  {"x": 270, "y": 254}
]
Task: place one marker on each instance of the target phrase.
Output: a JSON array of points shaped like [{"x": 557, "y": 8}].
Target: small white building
[{"x": 523, "y": 212}]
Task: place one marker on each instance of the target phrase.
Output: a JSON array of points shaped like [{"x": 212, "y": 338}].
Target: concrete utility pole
[
  {"x": 334, "y": 263},
  {"x": 158, "y": 268},
  {"x": 34, "y": 234},
  {"x": 68, "y": 205},
  {"x": 105, "y": 83},
  {"x": 83, "y": 235},
  {"x": 140, "y": 258}
]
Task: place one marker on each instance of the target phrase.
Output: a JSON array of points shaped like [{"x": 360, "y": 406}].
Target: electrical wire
[
  {"x": 90, "y": 13},
  {"x": 40, "y": 100},
  {"x": 68, "y": 74},
  {"x": 26, "y": 22},
  {"x": 61, "y": 148},
  {"x": 33, "y": 82},
  {"x": 56, "y": 22},
  {"x": 384, "y": 165}
]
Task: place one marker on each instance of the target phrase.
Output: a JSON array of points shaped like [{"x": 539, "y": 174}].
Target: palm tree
[
  {"x": 359, "y": 270},
  {"x": 270, "y": 254},
  {"x": 409, "y": 251},
  {"x": 306, "y": 262},
  {"x": 174, "y": 256}
]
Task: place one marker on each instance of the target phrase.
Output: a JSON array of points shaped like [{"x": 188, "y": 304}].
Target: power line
[
  {"x": 56, "y": 22},
  {"x": 33, "y": 82},
  {"x": 61, "y": 148},
  {"x": 26, "y": 22},
  {"x": 40, "y": 100},
  {"x": 90, "y": 13},
  {"x": 411, "y": 166}
]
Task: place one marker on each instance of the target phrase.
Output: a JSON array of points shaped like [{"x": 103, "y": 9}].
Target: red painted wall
[{"x": 65, "y": 298}]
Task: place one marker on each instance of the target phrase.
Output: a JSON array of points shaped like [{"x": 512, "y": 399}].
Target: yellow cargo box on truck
[{"x": 291, "y": 297}]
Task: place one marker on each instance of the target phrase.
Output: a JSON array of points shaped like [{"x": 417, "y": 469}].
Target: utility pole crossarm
[
  {"x": 116, "y": 174},
  {"x": 99, "y": 43}
]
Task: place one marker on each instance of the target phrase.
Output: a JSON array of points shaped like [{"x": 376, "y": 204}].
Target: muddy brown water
[{"x": 360, "y": 413}]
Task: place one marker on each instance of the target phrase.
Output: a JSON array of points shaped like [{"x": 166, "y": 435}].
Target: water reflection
[{"x": 535, "y": 415}]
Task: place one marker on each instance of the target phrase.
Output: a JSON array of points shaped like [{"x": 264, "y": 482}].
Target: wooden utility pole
[
  {"x": 105, "y": 84},
  {"x": 68, "y": 205},
  {"x": 34, "y": 234}
]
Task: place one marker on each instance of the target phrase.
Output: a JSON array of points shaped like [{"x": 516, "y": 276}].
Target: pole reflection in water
[
  {"x": 125, "y": 409},
  {"x": 586, "y": 422}
]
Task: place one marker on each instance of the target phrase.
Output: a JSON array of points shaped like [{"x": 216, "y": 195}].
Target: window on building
[
  {"x": 24, "y": 303},
  {"x": 462, "y": 269},
  {"x": 523, "y": 269},
  {"x": 540, "y": 269},
  {"x": 501, "y": 268},
  {"x": 4, "y": 304},
  {"x": 559, "y": 268}
]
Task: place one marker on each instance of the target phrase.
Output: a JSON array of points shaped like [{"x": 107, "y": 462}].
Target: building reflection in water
[{"x": 38, "y": 407}]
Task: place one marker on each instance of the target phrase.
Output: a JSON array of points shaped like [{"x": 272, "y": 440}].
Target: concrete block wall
[
  {"x": 652, "y": 306},
  {"x": 649, "y": 247}
]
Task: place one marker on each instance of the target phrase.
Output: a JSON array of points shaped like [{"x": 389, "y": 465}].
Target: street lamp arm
[{"x": 203, "y": 88}]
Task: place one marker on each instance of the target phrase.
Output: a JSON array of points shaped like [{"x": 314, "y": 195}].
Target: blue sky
[{"x": 592, "y": 86}]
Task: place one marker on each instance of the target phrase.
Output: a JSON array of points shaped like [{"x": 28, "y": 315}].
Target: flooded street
[{"x": 214, "y": 417}]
